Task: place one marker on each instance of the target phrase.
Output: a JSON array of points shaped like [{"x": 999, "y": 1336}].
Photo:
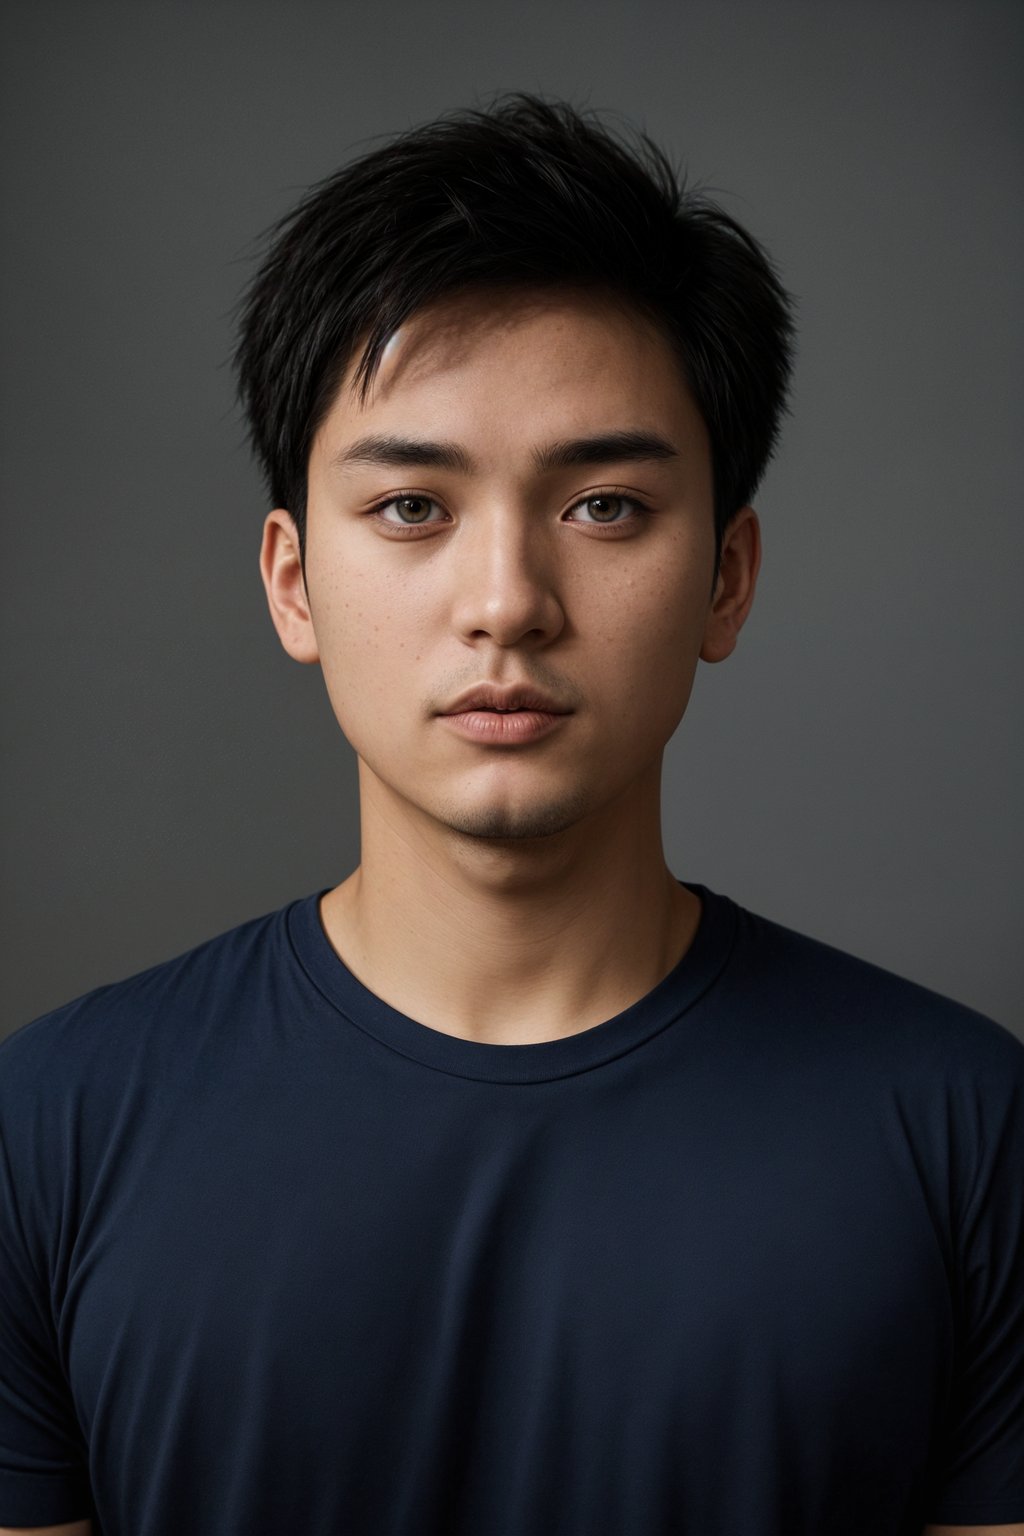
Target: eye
[
  {"x": 605, "y": 508},
  {"x": 412, "y": 508},
  {"x": 603, "y": 505}
]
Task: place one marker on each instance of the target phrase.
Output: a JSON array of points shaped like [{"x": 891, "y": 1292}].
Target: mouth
[
  {"x": 504, "y": 727},
  {"x": 505, "y": 699}
]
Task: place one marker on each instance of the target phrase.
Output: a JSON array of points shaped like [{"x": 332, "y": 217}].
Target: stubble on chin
[{"x": 513, "y": 824}]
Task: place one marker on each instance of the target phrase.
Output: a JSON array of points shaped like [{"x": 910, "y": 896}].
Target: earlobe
[
  {"x": 285, "y": 586},
  {"x": 734, "y": 589}
]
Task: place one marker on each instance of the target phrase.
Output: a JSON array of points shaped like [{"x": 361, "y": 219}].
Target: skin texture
[
  {"x": 545, "y": 862},
  {"x": 78, "y": 1528},
  {"x": 512, "y": 895}
]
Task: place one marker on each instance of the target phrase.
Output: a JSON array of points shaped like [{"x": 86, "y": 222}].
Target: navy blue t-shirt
[{"x": 748, "y": 1257}]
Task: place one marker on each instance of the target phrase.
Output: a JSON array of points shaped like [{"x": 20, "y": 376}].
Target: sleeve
[
  {"x": 981, "y": 1463},
  {"x": 43, "y": 1476}
]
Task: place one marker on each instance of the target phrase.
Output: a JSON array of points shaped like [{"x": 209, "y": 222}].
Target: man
[{"x": 514, "y": 1186}]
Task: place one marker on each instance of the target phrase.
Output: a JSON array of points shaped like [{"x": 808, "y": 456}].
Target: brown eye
[
  {"x": 606, "y": 509},
  {"x": 413, "y": 504},
  {"x": 413, "y": 512}
]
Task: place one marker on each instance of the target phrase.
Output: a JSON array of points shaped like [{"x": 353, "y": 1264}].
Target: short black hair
[{"x": 525, "y": 192}]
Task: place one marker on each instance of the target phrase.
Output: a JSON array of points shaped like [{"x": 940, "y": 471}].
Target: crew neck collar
[{"x": 539, "y": 1061}]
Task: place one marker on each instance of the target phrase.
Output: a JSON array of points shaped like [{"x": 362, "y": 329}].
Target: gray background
[{"x": 853, "y": 770}]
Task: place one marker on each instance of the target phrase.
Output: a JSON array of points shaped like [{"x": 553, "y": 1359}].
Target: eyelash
[{"x": 404, "y": 529}]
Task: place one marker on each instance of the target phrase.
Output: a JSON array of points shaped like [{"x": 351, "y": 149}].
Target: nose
[{"x": 506, "y": 581}]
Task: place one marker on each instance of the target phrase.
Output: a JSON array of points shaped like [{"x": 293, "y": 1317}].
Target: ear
[
  {"x": 285, "y": 585},
  {"x": 734, "y": 589}
]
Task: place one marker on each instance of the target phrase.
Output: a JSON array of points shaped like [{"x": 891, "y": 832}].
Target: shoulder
[
  {"x": 100, "y": 1034},
  {"x": 852, "y": 999},
  {"x": 931, "y": 1082},
  {"x": 91, "y": 1090}
]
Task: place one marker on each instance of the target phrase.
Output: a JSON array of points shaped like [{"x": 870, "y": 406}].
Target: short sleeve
[
  {"x": 980, "y": 1467},
  {"x": 43, "y": 1475}
]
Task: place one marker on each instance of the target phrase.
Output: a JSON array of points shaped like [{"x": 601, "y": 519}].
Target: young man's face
[{"x": 590, "y": 580}]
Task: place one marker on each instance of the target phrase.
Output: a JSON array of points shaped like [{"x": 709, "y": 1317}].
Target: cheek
[
  {"x": 351, "y": 632},
  {"x": 651, "y": 636}
]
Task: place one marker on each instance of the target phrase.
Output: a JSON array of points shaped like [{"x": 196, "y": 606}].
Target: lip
[
  {"x": 511, "y": 730},
  {"x": 518, "y": 696}
]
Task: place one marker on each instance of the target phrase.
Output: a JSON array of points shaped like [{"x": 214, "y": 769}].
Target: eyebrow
[{"x": 602, "y": 448}]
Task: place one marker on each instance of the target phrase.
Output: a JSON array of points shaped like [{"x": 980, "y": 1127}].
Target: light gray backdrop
[{"x": 853, "y": 770}]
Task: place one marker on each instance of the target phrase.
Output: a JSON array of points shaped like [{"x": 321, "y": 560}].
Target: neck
[{"x": 515, "y": 941}]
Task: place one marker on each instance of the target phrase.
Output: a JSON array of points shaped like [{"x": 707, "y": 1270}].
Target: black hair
[{"x": 526, "y": 193}]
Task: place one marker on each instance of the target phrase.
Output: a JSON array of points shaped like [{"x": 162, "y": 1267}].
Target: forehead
[{"x": 523, "y": 363}]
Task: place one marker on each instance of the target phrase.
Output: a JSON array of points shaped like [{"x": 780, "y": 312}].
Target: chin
[{"x": 514, "y": 823}]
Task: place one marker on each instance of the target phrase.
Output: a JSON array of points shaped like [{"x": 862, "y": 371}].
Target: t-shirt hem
[
  {"x": 1008, "y": 1507},
  {"x": 33, "y": 1498}
]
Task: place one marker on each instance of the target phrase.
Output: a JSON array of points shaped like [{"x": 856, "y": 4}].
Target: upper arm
[
  {"x": 962, "y": 1530},
  {"x": 76, "y": 1528},
  {"x": 43, "y": 1460},
  {"x": 977, "y": 1479}
]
